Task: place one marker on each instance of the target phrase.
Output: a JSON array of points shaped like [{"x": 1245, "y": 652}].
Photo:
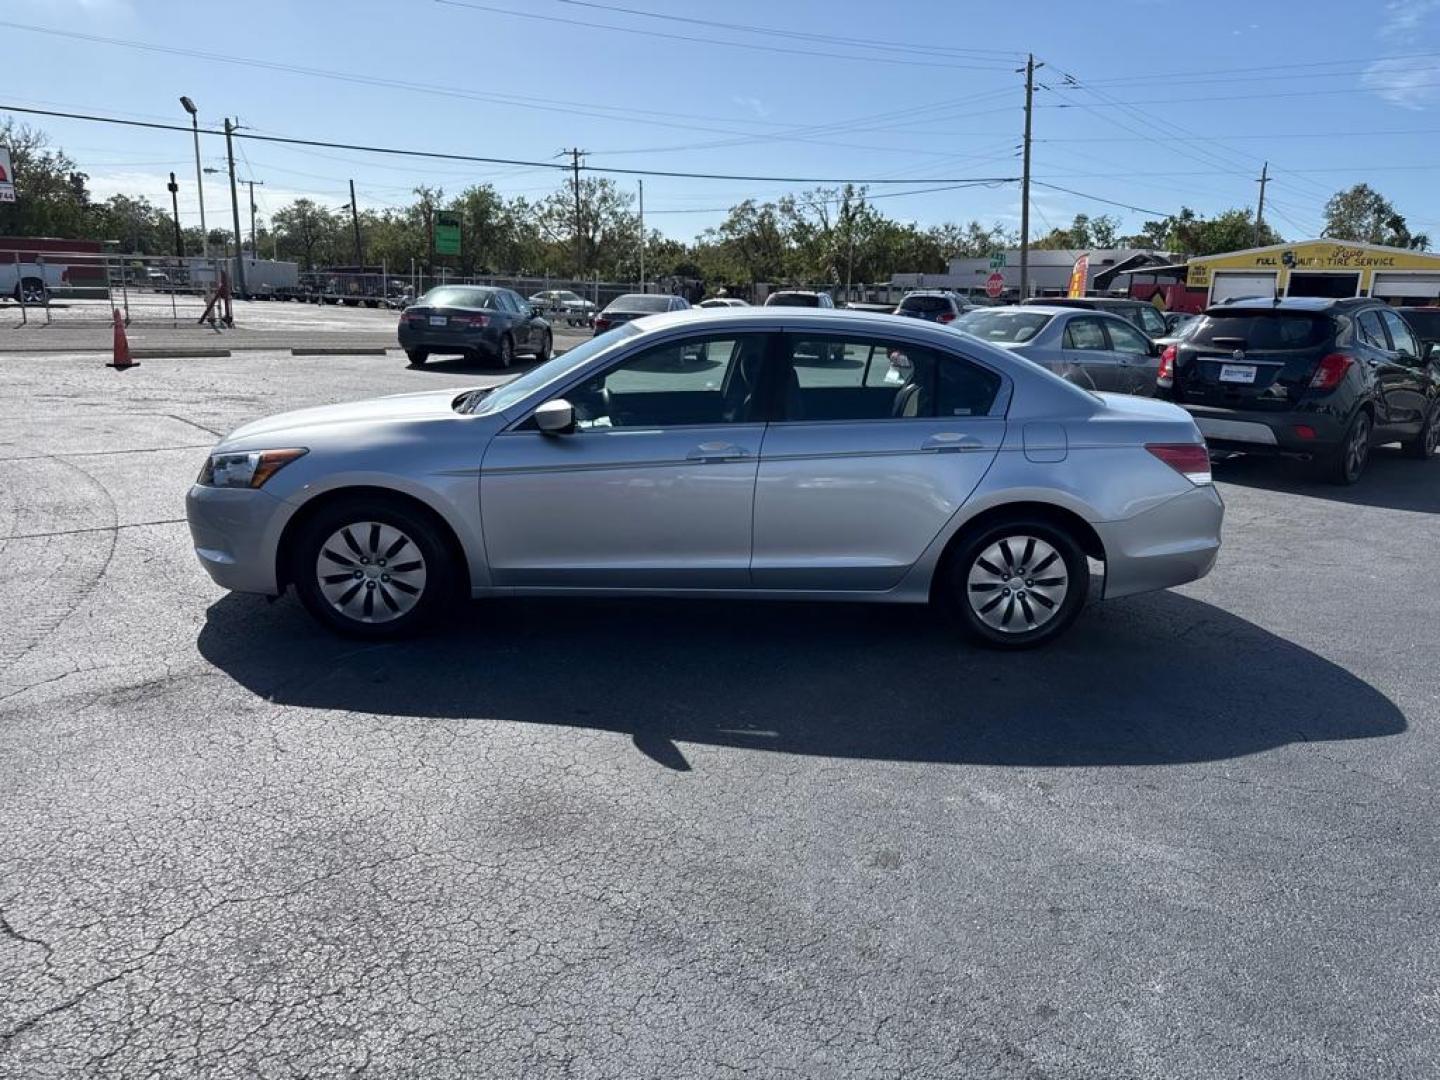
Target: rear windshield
[
  {"x": 640, "y": 302},
  {"x": 455, "y": 296},
  {"x": 1011, "y": 326},
  {"x": 925, "y": 303},
  {"x": 792, "y": 299},
  {"x": 1263, "y": 330},
  {"x": 1426, "y": 323}
]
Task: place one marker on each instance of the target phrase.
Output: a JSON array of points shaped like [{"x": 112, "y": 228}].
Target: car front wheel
[
  {"x": 1017, "y": 584},
  {"x": 505, "y": 354},
  {"x": 371, "y": 568},
  {"x": 542, "y": 354},
  {"x": 1427, "y": 441}
]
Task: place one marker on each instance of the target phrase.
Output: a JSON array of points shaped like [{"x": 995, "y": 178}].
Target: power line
[
  {"x": 1007, "y": 54},
  {"x": 711, "y": 41},
  {"x": 1099, "y": 199},
  {"x": 836, "y": 202},
  {"x": 439, "y": 155}
]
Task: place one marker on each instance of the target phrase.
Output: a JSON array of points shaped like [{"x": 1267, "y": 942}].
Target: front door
[
  {"x": 1088, "y": 359},
  {"x": 1404, "y": 380},
  {"x": 655, "y": 487},
  {"x": 876, "y": 445}
]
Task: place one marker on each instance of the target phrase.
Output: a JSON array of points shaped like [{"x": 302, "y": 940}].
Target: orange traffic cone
[{"x": 122, "y": 359}]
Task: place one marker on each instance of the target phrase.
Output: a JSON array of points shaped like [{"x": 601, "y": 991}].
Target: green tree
[
  {"x": 307, "y": 231},
  {"x": 1190, "y": 234},
  {"x": 1084, "y": 232},
  {"x": 1362, "y": 214},
  {"x": 51, "y": 196}
]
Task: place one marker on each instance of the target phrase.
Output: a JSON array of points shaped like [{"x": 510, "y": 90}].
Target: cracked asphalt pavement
[{"x": 1198, "y": 838}]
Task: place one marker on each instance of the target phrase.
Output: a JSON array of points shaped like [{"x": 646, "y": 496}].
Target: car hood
[{"x": 395, "y": 407}]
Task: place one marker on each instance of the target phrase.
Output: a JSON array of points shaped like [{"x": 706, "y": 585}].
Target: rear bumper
[
  {"x": 1266, "y": 432},
  {"x": 445, "y": 340},
  {"x": 1171, "y": 544}
]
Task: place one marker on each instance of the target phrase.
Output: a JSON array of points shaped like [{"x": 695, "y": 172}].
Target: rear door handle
[
  {"x": 950, "y": 442},
  {"x": 716, "y": 451}
]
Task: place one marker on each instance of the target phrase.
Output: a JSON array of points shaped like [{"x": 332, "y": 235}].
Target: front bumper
[
  {"x": 1168, "y": 545},
  {"x": 1254, "y": 431},
  {"x": 235, "y": 532}
]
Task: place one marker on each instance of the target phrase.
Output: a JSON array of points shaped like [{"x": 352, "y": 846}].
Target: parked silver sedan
[
  {"x": 766, "y": 453},
  {"x": 1092, "y": 349}
]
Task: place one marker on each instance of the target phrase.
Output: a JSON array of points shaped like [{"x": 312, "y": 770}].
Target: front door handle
[
  {"x": 951, "y": 442},
  {"x": 716, "y": 451}
]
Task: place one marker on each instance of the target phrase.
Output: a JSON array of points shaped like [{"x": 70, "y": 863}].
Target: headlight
[{"x": 245, "y": 470}]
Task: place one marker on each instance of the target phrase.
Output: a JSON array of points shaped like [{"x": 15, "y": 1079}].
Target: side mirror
[
  {"x": 536, "y": 311},
  {"x": 1434, "y": 352},
  {"x": 555, "y": 417}
]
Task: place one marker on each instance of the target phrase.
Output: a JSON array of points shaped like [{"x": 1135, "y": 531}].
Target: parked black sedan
[
  {"x": 477, "y": 322},
  {"x": 636, "y": 306},
  {"x": 1318, "y": 378}
]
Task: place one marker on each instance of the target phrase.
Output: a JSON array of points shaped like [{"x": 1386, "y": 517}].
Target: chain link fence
[{"x": 84, "y": 288}]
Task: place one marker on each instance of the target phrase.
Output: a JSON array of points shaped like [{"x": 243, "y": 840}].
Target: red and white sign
[
  {"x": 7, "y": 176},
  {"x": 995, "y": 285}
]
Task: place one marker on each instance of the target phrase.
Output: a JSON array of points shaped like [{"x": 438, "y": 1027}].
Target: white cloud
[
  {"x": 1411, "y": 82},
  {"x": 754, "y": 104},
  {"x": 1403, "y": 17}
]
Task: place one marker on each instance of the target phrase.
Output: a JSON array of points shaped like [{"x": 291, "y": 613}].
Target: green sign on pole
[
  {"x": 997, "y": 260},
  {"x": 447, "y": 232}
]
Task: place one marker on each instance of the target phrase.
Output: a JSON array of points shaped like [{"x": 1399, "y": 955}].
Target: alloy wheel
[
  {"x": 1017, "y": 584},
  {"x": 1357, "y": 450},
  {"x": 371, "y": 572}
]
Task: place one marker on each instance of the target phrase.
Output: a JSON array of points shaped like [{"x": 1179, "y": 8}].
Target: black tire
[
  {"x": 973, "y": 588},
  {"x": 1426, "y": 443},
  {"x": 542, "y": 354},
  {"x": 417, "y": 356},
  {"x": 30, "y": 291},
  {"x": 1345, "y": 464},
  {"x": 505, "y": 354},
  {"x": 361, "y": 555}
]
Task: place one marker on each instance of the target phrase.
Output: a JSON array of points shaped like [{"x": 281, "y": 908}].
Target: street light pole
[
  {"x": 190, "y": 108},
  {"x": 175, "y": 211}
]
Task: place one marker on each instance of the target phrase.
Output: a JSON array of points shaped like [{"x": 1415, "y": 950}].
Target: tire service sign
[{"x": 7, "y": 176}]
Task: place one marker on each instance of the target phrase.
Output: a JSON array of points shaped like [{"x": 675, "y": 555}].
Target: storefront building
[{"x": 1318, "y": 268}]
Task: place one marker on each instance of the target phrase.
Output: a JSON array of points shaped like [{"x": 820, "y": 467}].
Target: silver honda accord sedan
[{"x": 751, "y": 452}]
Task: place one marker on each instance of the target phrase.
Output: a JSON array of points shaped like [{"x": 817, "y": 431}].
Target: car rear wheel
[
  {"x": 1425, "y": 444},
  {"x": 417, "y": 356},
  {"x": 30, "y": 291},
  {"x": 505, "y": 355},
  {"x": 1017, "y": 584},
  {"x": 371, "y": 568},
  {"x": 1347, "y": 462}
]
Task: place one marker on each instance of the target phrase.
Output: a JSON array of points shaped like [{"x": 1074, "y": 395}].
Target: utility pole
[
  {"x": 1260, "y": 210},
  {"x": 175, "y": 211},
  {"x": 643, "y": 289},
  {"x": 355, "y": 224},
  {"x": 254, "y": 247},
  {"x": 235, "y": 210},
  {"x": 1030, "y": 66},
  {"x": 579, "y": 219}
]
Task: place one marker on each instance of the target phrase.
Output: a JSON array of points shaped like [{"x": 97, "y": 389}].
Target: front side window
[
  {"x": 844, "y": 378},
  {"x": 1151, "y": 321},
  {"x": 700, "y": 380},
  {"x": 1085, "y": 334},
  {"x": 1126, "y": 339}
]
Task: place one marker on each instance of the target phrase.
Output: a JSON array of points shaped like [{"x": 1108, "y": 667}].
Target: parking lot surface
[{"x": 1198, "y": 837}]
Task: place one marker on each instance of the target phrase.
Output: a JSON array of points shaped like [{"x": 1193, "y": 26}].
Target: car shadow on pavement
[
  {"x": 1391, "y": 481},
  {"x": 455, "y": 365},
  {"x": 1153, "y": 680}
]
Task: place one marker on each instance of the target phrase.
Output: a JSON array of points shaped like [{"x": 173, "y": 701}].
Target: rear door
[
  {"x": 876, "y": 444},
  {"x": 1088, "y": 359}
]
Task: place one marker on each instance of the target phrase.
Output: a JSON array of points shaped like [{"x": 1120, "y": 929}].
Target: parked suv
[
  {"x": 1425, "y": 321},
  {"x": 933, "y": 305},
  {"x": 1146, "y": 316},
  {"x": 1320, "y": 378},
  {"x": 799, "y": 298}
]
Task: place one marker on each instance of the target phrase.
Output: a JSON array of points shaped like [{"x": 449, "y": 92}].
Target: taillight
[
  {"x": 1166, "y": 371},
  {"x": 1331, "y": 370},
  {"x": 602, "y": 323},
  {"x": 945, "y": 316},
  {"x": 471, "y": 320},
  {"x": 1190, "y": 460}
]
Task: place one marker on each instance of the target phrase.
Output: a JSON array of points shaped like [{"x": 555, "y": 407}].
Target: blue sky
[{"x": 1151, "y": 103}]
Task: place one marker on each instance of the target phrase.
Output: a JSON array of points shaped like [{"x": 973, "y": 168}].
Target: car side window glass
[
  {"x": 1086, "y": 334},
  {"x": 1367, "y": 325},
  {"x": 1400, "y": 334},
  {"x": 714, "y": 379},
  {"x": 844, "y": 378},
  {"x": 1151, "y": 321},
  {"x": 1126, "y": 339}
]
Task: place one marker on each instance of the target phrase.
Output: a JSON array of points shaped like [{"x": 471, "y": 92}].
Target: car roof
[
  {"x": 796, "y": 292},
  {"x": 1295, "y": 303},
  {"x": 1046, "y": 309},
  {"x": 1092, "y": 302}
]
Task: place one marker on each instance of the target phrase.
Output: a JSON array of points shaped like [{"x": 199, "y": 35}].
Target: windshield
[
  {"x": 454, "y": 296},
  {"x": 1006, "y": 326},
  {"x": 546, "y": 374},
  {"x": 1262, "y": 330},
  {"x": 792, "y": 299},
  {"x": 640, "y": 302}
]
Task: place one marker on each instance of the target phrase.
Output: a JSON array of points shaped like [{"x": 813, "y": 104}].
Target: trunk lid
[{"x": 1252, "y": 358}]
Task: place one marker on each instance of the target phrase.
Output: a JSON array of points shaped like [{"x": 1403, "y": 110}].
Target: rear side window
[
  {"x": 1367, "y": 325},
  {"x": 1263, "y": 330},
  {"x": 840, "y": 378},
  {"x": 1086, "y": 333},
  {"x": 927, "y": 304}
]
